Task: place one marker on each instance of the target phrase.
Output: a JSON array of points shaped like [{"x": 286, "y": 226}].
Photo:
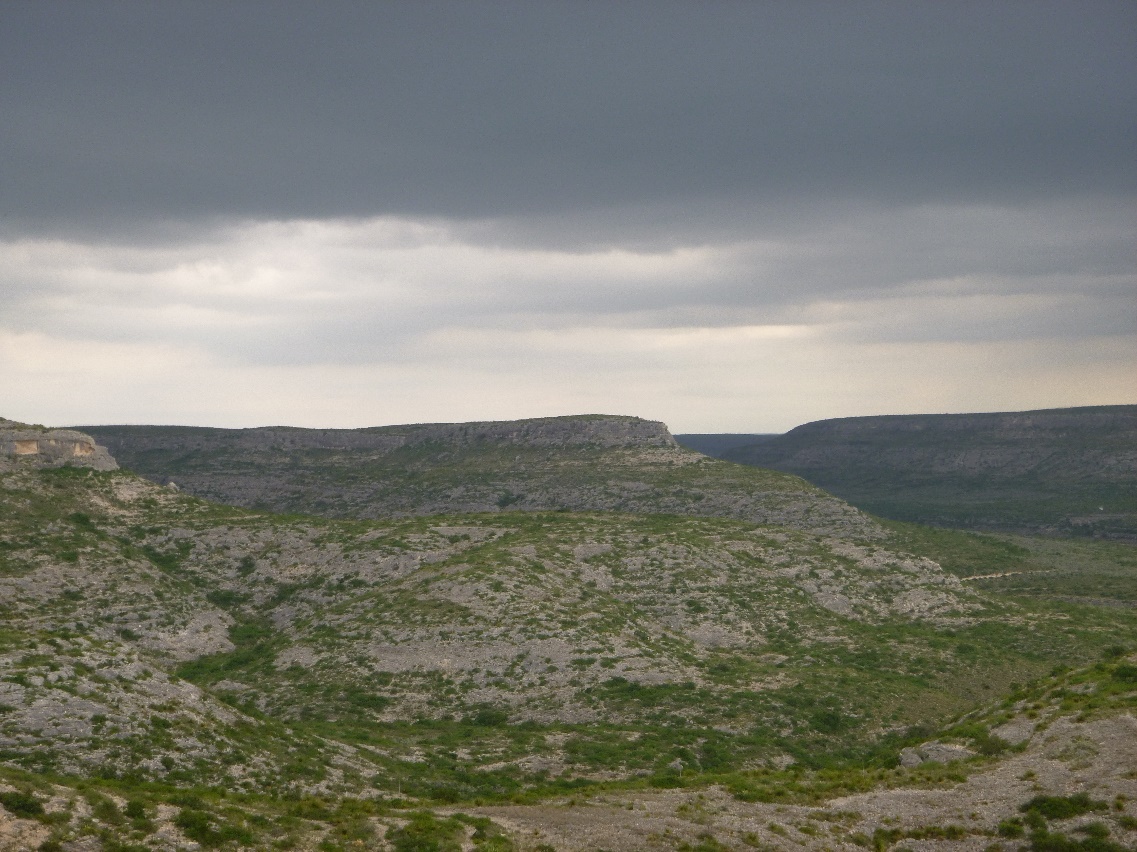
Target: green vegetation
[
  {"x": 21, "y": 804},
  {"x": 1042, "y": 839},
  {"x": 442, "y": 469},
  {"x": 265, "y": 680},
  {"x": 1063, "y": 807},
  {"x": 215, "y": 819},
  {"x": 1062, "y": 472}
]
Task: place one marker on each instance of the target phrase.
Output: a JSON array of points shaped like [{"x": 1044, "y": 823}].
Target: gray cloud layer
[
  {"x": 728, "y": 215},
  {"x": 277, "y": 109}
]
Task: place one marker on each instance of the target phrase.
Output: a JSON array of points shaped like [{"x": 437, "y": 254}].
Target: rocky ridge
[
  {"x": 584, "y": 463},
  {"x": 597, "y": 430}
]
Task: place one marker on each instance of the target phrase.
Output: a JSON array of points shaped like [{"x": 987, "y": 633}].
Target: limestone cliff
[{"x": 24, "y": 446}]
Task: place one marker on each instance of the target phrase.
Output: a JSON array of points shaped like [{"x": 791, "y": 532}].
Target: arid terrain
[{"x": 636, "y": 647}]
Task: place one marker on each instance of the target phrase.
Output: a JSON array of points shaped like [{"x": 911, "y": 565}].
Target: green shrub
[
  {"x": 107, "y": 811},
  {"x": 828, "y": 721},
  {"x": 22, "y": 804},
  {"x": 135, "y": 809},
  {"x": 1126, "y": 673},
  {"x": 988, "y": 744},
  {"x": 1062, "y": 807},
  {"x": 1094, "y": 829},
  {"x": 426, "y": 833},
  {"x": 489, "y": 717},
  {"x": 1011, "y": 828},
  {"x": 209, "y": 831}
]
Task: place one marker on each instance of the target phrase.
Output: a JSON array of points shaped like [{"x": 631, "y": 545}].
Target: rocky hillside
[
  {"x": 1069, "y": 471},
  {"x": 178, "y": 672},
  {"x": 588, "y": 463}
]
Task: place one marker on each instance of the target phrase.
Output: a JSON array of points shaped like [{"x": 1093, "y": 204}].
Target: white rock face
[{"x": 26, "y": 446}]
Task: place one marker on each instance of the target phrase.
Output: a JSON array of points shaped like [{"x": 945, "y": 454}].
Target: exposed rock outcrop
[{"x": 23, "y": 446}]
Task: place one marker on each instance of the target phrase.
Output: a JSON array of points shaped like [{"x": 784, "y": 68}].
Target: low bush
[
  {"x": 1062, "y": 807},
  {"x": 21, "y": 804}
]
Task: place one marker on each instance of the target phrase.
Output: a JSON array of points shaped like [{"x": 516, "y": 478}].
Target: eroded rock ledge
[{"x": 23, "y": 446}]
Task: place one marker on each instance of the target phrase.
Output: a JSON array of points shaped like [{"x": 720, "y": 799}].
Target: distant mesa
[
  {"x": 580, "y": 463},
  {"x": 24, "y": 446},
  {"x": 1068, "y": 471},
  {"x": 601, "y": 430}
]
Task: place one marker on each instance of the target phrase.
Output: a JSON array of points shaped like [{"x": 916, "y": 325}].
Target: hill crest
[{"x": 1066, "y": 470}]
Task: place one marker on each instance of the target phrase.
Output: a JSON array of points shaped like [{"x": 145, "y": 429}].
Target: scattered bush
[
  {"x": 1062, "y": 807},
  {"x": 1011, "y": 828},
  {"x": 489, "y": 717},
  {"x": 21, "y": 804},
  {"x": 135, "y": 809},
  {"x": 209, "y": 831},
  {"x": 1126, "y": 673},
  {"x": 426, "y": 833}
]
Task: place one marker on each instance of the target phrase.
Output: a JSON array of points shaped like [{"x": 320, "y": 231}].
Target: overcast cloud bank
[{"x": 727, "y": 216}]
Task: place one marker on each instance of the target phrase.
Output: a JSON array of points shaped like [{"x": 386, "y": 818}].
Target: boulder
[{"x": 934, "y": 752}]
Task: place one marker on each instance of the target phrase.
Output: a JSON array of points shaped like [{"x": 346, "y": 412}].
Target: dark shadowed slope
[
  {"x": 718, "y": 444},
  {"x": 1071, "y": 471}
]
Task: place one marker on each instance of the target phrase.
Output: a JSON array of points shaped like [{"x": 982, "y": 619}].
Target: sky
[{"x": 728, "y": 216}]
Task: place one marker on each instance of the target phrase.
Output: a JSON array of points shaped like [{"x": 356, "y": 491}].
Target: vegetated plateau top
[
  {"x": 593, "y": 429},
  {"x": 1068, "y": 470},
  {"x": 579, "y": 463}
]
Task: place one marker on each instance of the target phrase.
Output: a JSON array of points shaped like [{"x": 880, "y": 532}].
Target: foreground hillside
[
  {"x": 177, "y": 672},
  {"x": 1069, "y": 471}
]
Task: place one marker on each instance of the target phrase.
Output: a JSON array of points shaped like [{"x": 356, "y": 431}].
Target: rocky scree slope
[
  {"x": 93, "y": 623},
  {"x": 148, "y": 636},
  {"x": 1067, "y": 783},
  {"x": 1068, "y": 471},
  {"x": 719, "y": 625},
  {"x": 112, "y": 584},
  {"x": 585, "y": 463}
]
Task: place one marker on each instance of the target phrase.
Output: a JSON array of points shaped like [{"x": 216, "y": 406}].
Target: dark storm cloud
[
  {"x": 727, "y": 215},
  {"x": 136, "y": 111}
]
